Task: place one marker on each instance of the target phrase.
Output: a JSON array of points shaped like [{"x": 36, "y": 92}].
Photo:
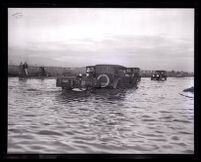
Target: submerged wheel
[{"x": 104, "y": 80}]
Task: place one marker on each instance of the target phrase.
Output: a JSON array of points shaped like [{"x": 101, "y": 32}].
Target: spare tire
[{"x": 101, "y": 78}]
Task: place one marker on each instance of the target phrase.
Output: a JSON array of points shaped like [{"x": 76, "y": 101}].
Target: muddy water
[{"x": 154, "y": 118}]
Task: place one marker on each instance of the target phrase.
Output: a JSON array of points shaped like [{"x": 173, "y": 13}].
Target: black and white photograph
[{"x": 100, "y": 81}]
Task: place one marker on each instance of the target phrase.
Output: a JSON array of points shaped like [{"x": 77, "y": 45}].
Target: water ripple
[{"x": 153, "y": 118}]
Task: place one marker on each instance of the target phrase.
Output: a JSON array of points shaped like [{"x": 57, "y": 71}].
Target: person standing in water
[
  {"x": 42, "y": 71},
  {"x": 20, "y": 69},
  {"x": 25, "y": 67}
]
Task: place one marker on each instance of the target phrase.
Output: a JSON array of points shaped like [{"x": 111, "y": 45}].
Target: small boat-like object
[
  {"x": 189, "y": 90},
  {"x": 189, "y": 95}
]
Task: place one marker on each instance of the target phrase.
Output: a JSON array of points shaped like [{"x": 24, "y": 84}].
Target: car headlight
[
  {"x": 157, "y": 75},
  {"x": 65, "y": 81},
  {"x": 127, "y": 75}
]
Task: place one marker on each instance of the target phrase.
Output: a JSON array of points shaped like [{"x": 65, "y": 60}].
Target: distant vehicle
[
  {"x": 101, "y": 76},
  {"x": 159, "y": 75}
]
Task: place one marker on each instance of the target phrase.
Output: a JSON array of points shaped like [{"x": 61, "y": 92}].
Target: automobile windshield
[
  {"x": 90, "y": 69},
  {"x": 128, "y": 70}
]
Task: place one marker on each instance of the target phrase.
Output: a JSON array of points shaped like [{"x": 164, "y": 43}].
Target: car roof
[{"x": 160, "y": 71}]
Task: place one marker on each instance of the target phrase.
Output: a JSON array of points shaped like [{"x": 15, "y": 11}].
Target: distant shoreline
[
  {"x": 54, "y": 77},
  {"x": 34, "y": 71}
]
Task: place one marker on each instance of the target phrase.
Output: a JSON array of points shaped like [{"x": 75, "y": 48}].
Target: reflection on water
[{"x": 151, "y": 119}]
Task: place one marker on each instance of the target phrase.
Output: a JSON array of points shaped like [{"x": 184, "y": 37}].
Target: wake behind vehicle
[
  {"x": 159, "y": 75},
  {"x": 101, "y": 76}
]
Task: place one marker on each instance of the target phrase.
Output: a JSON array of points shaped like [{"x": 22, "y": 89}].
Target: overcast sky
[{"x": 146, "y": 38}]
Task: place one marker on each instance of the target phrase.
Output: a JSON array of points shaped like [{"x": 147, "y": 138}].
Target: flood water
[{"x": 154, "y": 118}]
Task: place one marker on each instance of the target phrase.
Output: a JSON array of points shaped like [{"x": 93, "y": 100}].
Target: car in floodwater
[
  {"x": 102, "y": 76},
  {"x": 159, "y": 75}
]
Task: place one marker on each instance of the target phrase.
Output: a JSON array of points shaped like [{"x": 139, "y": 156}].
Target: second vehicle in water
[{"x": 159, "y": 75}]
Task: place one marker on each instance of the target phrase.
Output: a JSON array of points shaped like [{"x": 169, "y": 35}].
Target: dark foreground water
[{"x": 154, "y": 118}]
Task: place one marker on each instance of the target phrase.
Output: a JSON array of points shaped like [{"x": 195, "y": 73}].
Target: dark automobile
[
  {"x": 102, "y": 76},
  {"x": 159, "y": 75}
]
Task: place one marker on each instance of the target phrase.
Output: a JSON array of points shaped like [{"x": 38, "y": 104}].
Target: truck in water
[
  {"x": 100, "y": 77},
  {"x": 160, "y": 75}
]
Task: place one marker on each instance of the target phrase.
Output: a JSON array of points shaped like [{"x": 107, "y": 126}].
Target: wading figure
[
  {"x": 21, "y": 69},
  {"x": 25, "y": 68},
  {"x": 42, "y": 71}
]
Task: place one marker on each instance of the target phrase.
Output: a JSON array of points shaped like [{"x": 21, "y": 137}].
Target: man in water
[
  {"x": 25, "y": 67},
  {"x": 42, "y": 69},
  {"x": 20, "y": 69}
]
